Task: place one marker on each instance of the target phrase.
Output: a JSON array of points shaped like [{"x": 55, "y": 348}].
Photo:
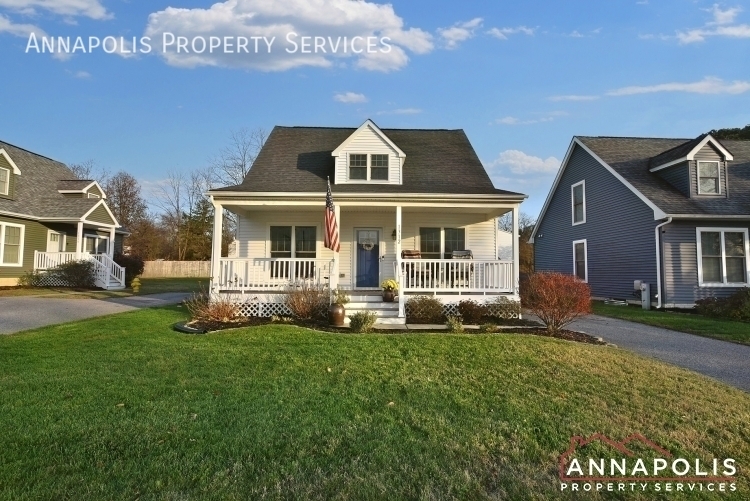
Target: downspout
[{"x": 658, "y": 261}]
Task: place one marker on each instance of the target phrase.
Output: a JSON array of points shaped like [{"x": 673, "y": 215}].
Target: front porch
[{"x": 279, "y": 246}]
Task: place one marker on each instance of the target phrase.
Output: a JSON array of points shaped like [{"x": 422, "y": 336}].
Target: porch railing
[
  {"x": 47, "y": 260},
  {"x": 248, "y": 274},
  {"x": 108, "y": 273},
  {"x": 454, "y": 275}
]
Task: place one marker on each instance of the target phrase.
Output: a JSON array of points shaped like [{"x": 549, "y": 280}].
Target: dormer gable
[
  {"x": 368, "y": 155},
  {"x": 8, "y": 172},
  {"x": 697, "y": 168},
  {"x": 80, "y": 188}
]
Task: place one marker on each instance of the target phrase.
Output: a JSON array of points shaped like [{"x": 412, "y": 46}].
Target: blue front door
[{"x": 368, "y": 258}]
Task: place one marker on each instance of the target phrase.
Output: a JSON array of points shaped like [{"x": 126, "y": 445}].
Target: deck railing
[
  {"x": 454, "y": 275},
  {"x": 256, "y": 274},
  {"x": 108, "y": 273}
]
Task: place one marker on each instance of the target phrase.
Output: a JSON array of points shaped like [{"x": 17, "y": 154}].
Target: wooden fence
[{"x": 176, "y": 269}]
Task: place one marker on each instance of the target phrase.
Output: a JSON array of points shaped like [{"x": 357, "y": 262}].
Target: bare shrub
[
  {"x": 557, "y": 299},
  {"x": 362, "y": 321},
  {"x": 308, "y": 301},
  {"x": 213, "y": 311},
  {"x": 471, "y": 311},
  {"x": 424, "y": 310},
  {"x": 454, "y": 324},
  {"x": 502, "y": 308}
]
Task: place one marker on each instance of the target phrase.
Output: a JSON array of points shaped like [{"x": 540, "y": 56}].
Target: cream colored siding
[
  {"x": 254, "y": 228},
  {"x": 368, "y": 142}
]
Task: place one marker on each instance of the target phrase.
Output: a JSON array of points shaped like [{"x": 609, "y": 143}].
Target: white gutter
[{"x": 658, "y": 261}]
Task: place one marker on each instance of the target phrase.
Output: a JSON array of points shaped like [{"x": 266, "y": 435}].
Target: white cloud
[
  {"x": 574, "y": 97},
  {"x": 24, "y": 31},
  {"x": 349, "y": 98},
  {"x": 721, "y": 25},
  {"x": 88, "y": 8},
  {"x": 401, "y": 111},
  {"x": 519, "y": 162},
  {"x": 331, "y": 20},
  {"x": 709, "y": 85},
  {"x": 575, "y": 34},
  {"x": 82, "y": 74},
  {"x": 545, "y": 117},
  {"x": 502, "y": 33},
  {"x": 459, "y": 32}
]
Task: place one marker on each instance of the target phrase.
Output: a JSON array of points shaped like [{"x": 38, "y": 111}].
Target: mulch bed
[{"x": 578, "y": 337}]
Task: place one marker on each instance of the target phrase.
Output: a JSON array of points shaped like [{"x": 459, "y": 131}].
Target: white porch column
[
  {"x": 112, "y": 242},
  {"x": 216, "y": 246},
  {"x": 79, "y": 241},
  {"x": 333, "y": 281},
  {"x": 516, "y": 253},
  {"x": 401, "y": 296}
]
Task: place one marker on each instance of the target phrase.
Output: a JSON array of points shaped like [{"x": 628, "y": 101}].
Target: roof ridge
[
  {"x": 31, "y": 152},
  {"x": 355, "y": 128},
  {"x": 638, "y": 137}
]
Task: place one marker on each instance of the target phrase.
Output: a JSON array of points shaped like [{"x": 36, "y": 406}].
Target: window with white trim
[
  {"x": 95, "y": 244},
  {"x": 4, "y": 181},
  {"x": 578, "y": 202},
  {"x": 722, "y": 256},
  {"x": 580, "y": 260},
  {"x": 11, "y": 244},
  {"x": 437, "y": 242},
  {"x": 293, "y": 242},
  {"x": 709, "y": 177},
  {"x": 368, "y": 167}
]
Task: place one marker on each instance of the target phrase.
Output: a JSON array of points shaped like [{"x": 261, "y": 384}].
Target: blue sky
[{"x": 521, "y": 78}]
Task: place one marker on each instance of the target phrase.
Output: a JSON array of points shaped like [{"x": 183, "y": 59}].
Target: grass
[
  {"x": 727, "y": 330},
  {"x": 122, "y": 407},
  {"x": 148, "y": 286}
]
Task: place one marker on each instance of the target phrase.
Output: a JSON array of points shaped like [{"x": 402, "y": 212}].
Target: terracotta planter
[
  {"x": 336, "y": 315},
  {"x": 388, "y": 296}
]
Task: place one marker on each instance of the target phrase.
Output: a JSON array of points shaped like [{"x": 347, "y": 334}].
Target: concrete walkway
[
  {"x": 29, "y": 312},
  {"x": 722, "y": 360}
]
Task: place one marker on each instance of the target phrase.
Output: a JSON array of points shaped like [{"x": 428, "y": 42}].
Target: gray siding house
[{"x": 673, "y": 213}]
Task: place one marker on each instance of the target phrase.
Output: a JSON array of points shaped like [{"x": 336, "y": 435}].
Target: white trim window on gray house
[
  {"x": 673, "y": 213},
  {"x": 413, "y": 205}
]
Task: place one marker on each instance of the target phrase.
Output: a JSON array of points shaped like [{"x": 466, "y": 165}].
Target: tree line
[{"x": 178, "y": 224}]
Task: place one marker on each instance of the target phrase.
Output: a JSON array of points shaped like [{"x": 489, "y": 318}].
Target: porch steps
[{"x": 387, "y": 313}]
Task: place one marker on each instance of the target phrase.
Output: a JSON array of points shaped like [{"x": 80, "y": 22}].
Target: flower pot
[
  {"x": 336, "y": 315},
  {"x": 388, "y": 296}
]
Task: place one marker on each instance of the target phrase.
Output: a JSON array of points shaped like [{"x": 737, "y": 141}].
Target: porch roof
[{"x": 298, "y": 159}]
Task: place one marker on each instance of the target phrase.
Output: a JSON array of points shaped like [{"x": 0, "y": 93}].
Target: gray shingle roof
[
  {"x": 73, "y": 184},
  {"x": 675, "y": 153},
  {"x": 298, "y": 159},
  {"x": 630, "y": 157},
  {"x": 36, "y": 188}
]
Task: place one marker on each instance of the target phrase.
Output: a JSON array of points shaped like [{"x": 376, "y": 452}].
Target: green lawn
[
  {"x": 122, "y": 407},
  {"x": 728, "y": 330},
  {"x": 148, "y": 286}
]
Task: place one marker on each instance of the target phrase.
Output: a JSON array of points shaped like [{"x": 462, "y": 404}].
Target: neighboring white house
[{"x": 395, "y": 190}]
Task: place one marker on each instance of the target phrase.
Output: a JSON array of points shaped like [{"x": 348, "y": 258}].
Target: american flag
[{"x": 332, "y": 228}]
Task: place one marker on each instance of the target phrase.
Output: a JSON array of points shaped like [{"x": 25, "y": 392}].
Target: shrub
[
  {"x": 471, "y": 311},
  {"x": 454, "y": 324},
  {"x": 362, "y": 321},
  {"x": 734, "y": 307},
  {"x": 133, "y": 265},
  {"x": 502, "y": 308},
  {"x": 424, "y": 310},
  {"x": 557, "y": 299},
  {"x": 488, "y": 327},
  {"x": 213, "y": 312},
  {"x": 77, "y": 274},
  {"x": 308, "y": 301},
  {"x": 31, "y": 279}
]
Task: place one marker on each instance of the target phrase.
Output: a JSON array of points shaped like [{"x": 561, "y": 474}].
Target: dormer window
[
  {"x": 708, "y": 178},
  {"x": 364, "y": 167},
  {"x": 4, "y": 181}
]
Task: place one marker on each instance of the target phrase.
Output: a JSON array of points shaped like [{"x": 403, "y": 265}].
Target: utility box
[{"x": 645, "y": 296}]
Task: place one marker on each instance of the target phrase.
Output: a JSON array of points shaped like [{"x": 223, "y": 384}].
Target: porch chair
[
  {"x": 460, "y": 273},
  {"x": 413, "y": 275}
]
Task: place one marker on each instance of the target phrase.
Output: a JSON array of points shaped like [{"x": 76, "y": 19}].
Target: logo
[{"x": 600, "y": 463}]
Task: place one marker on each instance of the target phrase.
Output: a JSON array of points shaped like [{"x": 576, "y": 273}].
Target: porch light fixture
[{"x": 393, "y": 235}]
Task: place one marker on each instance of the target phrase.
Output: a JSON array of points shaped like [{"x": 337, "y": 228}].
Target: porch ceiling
[{"x": 489, "y": 211}]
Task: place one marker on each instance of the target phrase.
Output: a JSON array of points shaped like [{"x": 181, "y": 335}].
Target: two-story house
[
  {"x": 408, "y": 204},
  {"x": 48, "y": 217},
  {"x": 673, "y": 213}
]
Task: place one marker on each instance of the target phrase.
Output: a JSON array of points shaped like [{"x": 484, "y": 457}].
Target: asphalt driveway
[
  {"x": 722, "y": 360},
  {"x": 29, "y": 312}
]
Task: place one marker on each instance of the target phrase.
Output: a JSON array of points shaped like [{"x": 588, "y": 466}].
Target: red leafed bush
[{"x": 556, "y": 298}]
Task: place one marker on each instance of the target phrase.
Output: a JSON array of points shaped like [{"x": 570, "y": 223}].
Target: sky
[{"x": 521, "y": 78}]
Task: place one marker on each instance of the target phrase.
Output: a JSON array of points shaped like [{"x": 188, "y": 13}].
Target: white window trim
[
  {"x": 96, "y": 245},
  {"x": 7, "y": 181},
  {"x": 573, "y": 202},
  {"x": 63, "y": 238},
  {"x": 92, "y": 195},
  {"x": 698, "y": 174},
  {"x": 318, "y": 241},
  {"x": 585, "y": 259},
  {"x": 20, "y": 247},
  {"x": 699, "y": 257},
  {"x": 442, "y": 237},
  {"x": 369, "y": 167}
]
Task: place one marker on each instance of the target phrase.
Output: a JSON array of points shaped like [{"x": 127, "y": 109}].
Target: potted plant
[
  {"x": 337, "y": 312},
  {"x": 390, "y": 286}
]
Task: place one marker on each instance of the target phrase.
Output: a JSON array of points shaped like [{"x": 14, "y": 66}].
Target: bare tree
[
  {"x": 124, "y": 199},
  {"x": 235, "y": 160},
  {"x": 90, "y": 170}
]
